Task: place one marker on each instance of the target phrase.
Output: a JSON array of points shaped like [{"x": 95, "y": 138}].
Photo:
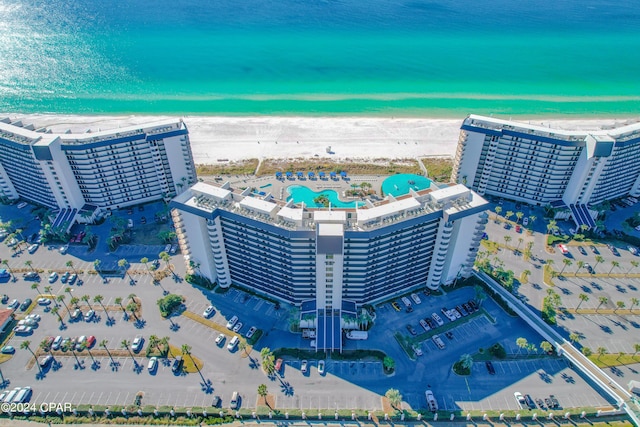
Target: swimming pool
[
  {"x": 397, "y": 185},
  {"x": 302, "y": 194}
]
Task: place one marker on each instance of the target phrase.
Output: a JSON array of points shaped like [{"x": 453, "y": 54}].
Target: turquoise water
[
  {"x": 398, "y": 185},
  {"x": 302, "y": 194},
  {"x": 321, "y": 57}
]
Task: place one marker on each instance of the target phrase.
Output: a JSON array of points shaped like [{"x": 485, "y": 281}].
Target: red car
[
  {"x": 91, "y": 341},
  {"x": 518, "y": 229}
]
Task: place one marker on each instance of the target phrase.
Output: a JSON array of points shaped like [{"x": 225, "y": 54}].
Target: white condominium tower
[
  {"x": 540, "y": 165},
  {"x": 328, "y": 261},
  {"x": 95, "y": 171}
]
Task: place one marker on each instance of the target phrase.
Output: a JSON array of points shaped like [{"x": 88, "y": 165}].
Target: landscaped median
[
  {"x": 213, "y": 325},
  {"x": 193, "y": 416}
]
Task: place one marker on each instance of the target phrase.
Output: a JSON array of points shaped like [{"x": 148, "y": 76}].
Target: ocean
[{"x": 431, "y": 58}]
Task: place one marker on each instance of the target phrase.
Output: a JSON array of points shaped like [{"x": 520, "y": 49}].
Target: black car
[
  {"x": 473, "y": 305},
  {"x": 216, "y": 401},
  {"x": 409, "y": 309},
  {"x": 490, "y": 367},
  {"x": 582, "y": 250},
  {"x": 554, "y": 401},
  {"x": 461, "y": 311},
  {"x": 529, "y": 401},
  {"x": 594, "y": 250},
  {"x": 411, "y": 330},
  {"x": 430, "y": 322},
  {"x": 25, "y": 304}
]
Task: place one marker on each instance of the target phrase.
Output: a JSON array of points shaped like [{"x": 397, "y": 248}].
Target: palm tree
[
  {"x": 583, "y": 298},
  {"x": 164, "y": 256},
  {"x": 620, "y": 305},
  {"x": 98, "y": 299},
  {"x": 567, "y": 262},
  {"x": 574, "y": 337},
  {"x": 525, "y": 275},
  {"x": 519, "y": 216},
  {"x": 29, "y": 264},
  {"x": 48, "y": 290},
  {"x": 522, "y": 343},
  {"x": 74, "y": 301},
  {"x": 614, "y": 264},
  {"x": 262, "y": 392},
  {"x": 498, "y": 210},
  {"x": 60, "y": 298},
  {"x": 103, "y": 344},
  {"x": 55, "y": 310},
  {"x": 96, "y": 265},
  {"x": 580, "y": 265},
  {"x": 70, "y": 265},
  {"x": 552, "y": 225},
  {"x": 586, "y": 351},
  {"x": 480, "y": 294},
  {"x": 520, "y": 240},
  {"x": 532, "y": 219},
  {"x": 153, "y": 342},
  {"x": 36, "y": 288},
  {"x": 394, "y": 396},
  {"x": 25, "y": 345},
  {"x": 601, "y": 351},
  {"x": 634, "y": 302},
  {"x": 125, "y": 344},
  {"x": 86, "y": 299},
  {"x": 603, "y": 300},
  {"x": 145, "y": 260},
  {"x": 186, "y": 351},
  {"x": 508, "y": 214},
  {"x": 507, "y": 239},
  {"x": 634, "y": 264},
  {"x": 599, "y": 259},
  {"x": 132, "y": 307},
  {"x": 132, "y": 297},
  {"x": 636, "y": 349},
  {"x": 6, "y": 264},
  {"x": 46, "y": 347},
  {"x": 466, "y": 361},
  {"x": 546, "y": 346},
  {"x": 550, "y": 263},
  {"x": 388, "y": 363},
  {"x": 124, "y": 264},
  {"x": 118, "y": 301}
]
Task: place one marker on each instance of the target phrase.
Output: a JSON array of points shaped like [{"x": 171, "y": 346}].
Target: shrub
[
  {"x": 169, "y": 303},
  {"x": 200, "y": 281},
  {"x": 498, "y": 351},
  {"x": 461, "y": 370}
]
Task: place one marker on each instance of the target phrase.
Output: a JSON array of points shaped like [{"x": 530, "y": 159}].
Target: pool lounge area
[{"x": 303, "y": 194}]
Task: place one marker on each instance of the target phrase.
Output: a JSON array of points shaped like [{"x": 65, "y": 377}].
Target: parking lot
[{"x": 346, "y": 384}]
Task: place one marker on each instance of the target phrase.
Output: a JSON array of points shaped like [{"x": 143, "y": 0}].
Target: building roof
[
  {"x": 6, "y": 315},
  {"x": 387, "y": 209},
  {"x": 258, "y": 205}
]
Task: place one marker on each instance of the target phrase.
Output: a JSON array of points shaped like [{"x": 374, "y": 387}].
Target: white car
[
  {"x": 251, "y": 331},
  {"x": 44, "y": 301},
  {"x": 220, "y": 340},
  {"x": 89, "y": 315},
  {"x": 237, "y": 327},
  {"x": 64, "y": 249},
  {"x": 210, "y": 311},
  {"x": 34, "y": 317},
  {"x": 321, "y": 367},
  {"x": 153, "y": 364},
  {"x": 56, "y": 343},
  {"x": 416, "y": 298},
  {"x": 525, "y": 221},
  {"x": 52, "y": 277},
  {"x": 437, "y": 319},
  {"x": 417, "y": 350},
  {"x": 137, "y": 344},
  {"x": 304, "y": 366},
  {"x": 31, "y": 249},
  {"x": 231, "y": 323},
  {"x": 519, "y": 398}
]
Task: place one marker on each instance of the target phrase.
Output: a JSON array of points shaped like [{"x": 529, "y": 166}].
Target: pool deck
[{"x": 278, "y": 188}]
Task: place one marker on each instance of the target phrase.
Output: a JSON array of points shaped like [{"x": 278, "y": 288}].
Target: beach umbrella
[
  {"x": 332, "y": 173},
  {"x": 321, "y": 174},
  {"x": 343, "y": 174},
  {"x": 300, "y": 174},
  {"x": 278, "y": 174},
  {"x": 311, "y": 174},
  {"x": 289, "y": 174}
]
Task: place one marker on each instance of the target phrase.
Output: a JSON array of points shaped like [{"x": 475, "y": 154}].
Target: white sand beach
[{"x": 215, "y": 139}]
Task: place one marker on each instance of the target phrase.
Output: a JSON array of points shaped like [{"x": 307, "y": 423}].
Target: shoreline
[{"x": 225, "y": 139}]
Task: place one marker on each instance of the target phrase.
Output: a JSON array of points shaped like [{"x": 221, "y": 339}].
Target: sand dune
[{"x": 217, "y": 139}]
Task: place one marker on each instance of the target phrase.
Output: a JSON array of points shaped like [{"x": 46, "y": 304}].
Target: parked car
[
  {"x": 437, "y": 318},
  {"x": 76, "y": 314},
  {"x": 153, "y": 364},
  {"x": 220, "y": 340},
  {"x": 44, "y": 301},
  {"x": 417, "y": 350},
  {"x": 490, "y": 367},
  {"x": 237, "y": 327},
  {"x": 582, "y": 250},
  {"x": 278, "y": 366},
  {"x": 563, "y": 249},
  {"x": 88, "y": 317},
  {"x": 396, "y": 306},
  {"x": 31, "y": 275},
  {"x": 251, "y": 331},
  {"x": 63, "y": 249},
  {"x": 57, "y": 341},
  {"x": 519, "y": 398},
  {"x": 425, "y": 325},
  {"x": 177, "y": 365},
  {"x": 64, "y": 277},
  {"x": 525, "y": 221},
  {"x": 7, "y": 349},
  {"x": 321, "y": 367},
  {"x": 14, "y": 304},
  {"x": 53, "y": 277},
  {"x": 589, "y": 268},
  {"x": 411, "y": 330},
  {"x": 72, "y": 279},
  {"x": 304, "y": 366},
  {"x": 416, "y": 299},
  {"x": 31, "y": 249},
  {"x": 45, "y": 361},
  {"x": 137, "y": 344},
  {"x": 35, "y": 317},
  {"x": 529, "y": 402},
  {"x": 208, "y": 312},
  {"x": 594, "y": 250},
  {"x": 25, "y": 304},
  {"x": 91, "y": 340},
  {"x": 23, "y": 330},
  {"x": 232, "y": 322}
]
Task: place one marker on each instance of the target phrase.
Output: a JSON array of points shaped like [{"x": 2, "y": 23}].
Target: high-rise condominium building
[
  {"x": 95, "y": 170},
  {"x": 541, "y": 165},
  {"x": 329, "y": 261}
]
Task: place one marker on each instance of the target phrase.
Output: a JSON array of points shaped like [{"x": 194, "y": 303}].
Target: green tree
[
  {"x": 74, "y": 301},
  {"x": 614, "y": 264},
  {"x": 619, "y": 305},
  {"x": 56, "y": 311},
  {"x": 583, "y": 298},
  {"x": 498, "y": 210},
  {"x": 86, "y": 299},
  {"x": 634, "y": 264},
  {"x": 580, "y": 265},
  {"x": 546, "y": 346},
  {"x": 507, "y": 239},
  {"x": 164, "y": 256},
  {"x": 262, "y": 392},
  {"x": 394, "y": 396},
  {"x": 586, "y": 351},
  {"x": 575, "y": 337},
  {"x": 525, "y": 275},
  {"x": 466, "y": 361},
  {"x": 532, "y": 219},
  {"x": 103, "y": 344},
  {"x": 60, "y": 298},
  {"x": 634, "y": 302},
  {"x": 551, "y": 226},
  {"x": 26, "y": 345},
  {"x": 36, "y": 288},
  {"x": 508, "y": 215},
  {"x": 599, "y": 259},
  {"x": 29, "y": 264},
  {"x": 522, "y": 343},
  {"x": 602, "y": 301},
  {"x": 145, "y": 261},
  {"x": 567, "y": 262},
  {"x": 636, "y": 349},
  {"x": 96, "y": 265},
  {"x": 601, "y": 351},
  {"x": 70, "y": 265},
  {"x": 388, "y": 363},
  {"x": 519, "y": 216},
  {"x": 126, "y": 345}
]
